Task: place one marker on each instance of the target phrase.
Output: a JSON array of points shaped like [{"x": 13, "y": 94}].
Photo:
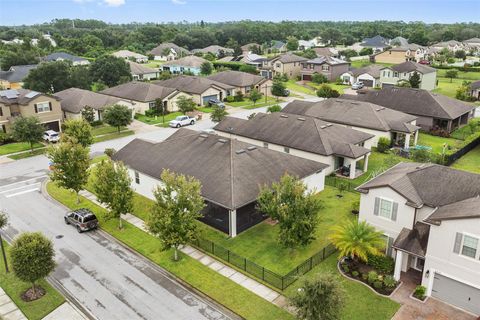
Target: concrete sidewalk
[
  {"x": 65, "y": 312},
  {"x": 8, "y": 309},
  {"x": 221, "y": 268}
]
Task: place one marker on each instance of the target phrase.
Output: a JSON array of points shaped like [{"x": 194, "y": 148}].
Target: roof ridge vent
[
  {"x": 328, "y": 125},
  {"x": 203, "y": 135},
  {"x": 301, "y": 119},
  {"x": 283, "y": 116},
  {"x": 251, "y": 148},
  {"x": 240, "y": 151},
  {"x": 323, "y": 127},
  {"x": 222, "y": 140}
]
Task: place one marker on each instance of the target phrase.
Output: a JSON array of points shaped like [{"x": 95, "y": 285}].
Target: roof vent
[
  {"x": 301, "y": 119},
  {"x": 283, "y": 116},
  {"x": 329, "y": 124},
  {"x": 203, "y": 135},
  {"x": 222, "y": 140},
  {"x": 240, "y": 151},
  {"x": 251, "y": 148},
  {"x": 323, "y": 127}
]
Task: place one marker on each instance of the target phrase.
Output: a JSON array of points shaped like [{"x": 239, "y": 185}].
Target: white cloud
[
  {"x": 179, "y": 2},
  {"x": 114, "y": 3}
]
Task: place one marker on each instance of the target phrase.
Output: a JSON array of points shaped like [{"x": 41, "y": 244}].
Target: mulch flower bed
[
  {"x": 381, "y": 283},
  {"x": 30, "y": 295}
]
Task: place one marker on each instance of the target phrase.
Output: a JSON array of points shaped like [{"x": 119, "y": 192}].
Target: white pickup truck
[{"x": 181, "y": 121}]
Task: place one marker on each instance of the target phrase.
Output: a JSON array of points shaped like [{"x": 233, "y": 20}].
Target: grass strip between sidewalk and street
[
  {"x": 27, "y": 154},
  {"x": 13, "y": 287},
  {"x": 226, "y": 292}
]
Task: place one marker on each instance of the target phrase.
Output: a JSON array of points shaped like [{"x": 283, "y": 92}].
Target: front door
[{"x": 418, "y": 263}]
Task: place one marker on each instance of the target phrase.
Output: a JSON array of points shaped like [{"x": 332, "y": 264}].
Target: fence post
[
  {"x": 228, "y": 256},
  {"x": 282, "y": 282},
  {"x": 244, "y": 264},
  {"x": 311, "y": 263},
  {"x": 323, "y": 256},
  {"x": 263, "y": 273},
  {"x": 213, "y": 247}
]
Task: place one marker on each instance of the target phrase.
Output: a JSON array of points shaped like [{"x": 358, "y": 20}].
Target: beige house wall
[{"x": 390, "y": 56}]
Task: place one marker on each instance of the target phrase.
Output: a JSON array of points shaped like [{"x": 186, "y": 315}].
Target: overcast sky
[{"x": 17, "y": 12}]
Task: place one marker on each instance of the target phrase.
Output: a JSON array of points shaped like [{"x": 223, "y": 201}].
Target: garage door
[
  {"x": 306, "y": 77},
  {"x": 387, "y": 85},
  {"x": 54, "y": 125},
  {"x": 206, "y": 98},
  {"x": 456, "y": 293},
  {"x": 366, "y": 83}
]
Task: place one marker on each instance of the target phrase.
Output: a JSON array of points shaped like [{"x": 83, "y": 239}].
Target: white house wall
[
  {"x": 366, "y": 76},
  {"x": 315, "y": 182},
  {"x": 146, "y": 185}
]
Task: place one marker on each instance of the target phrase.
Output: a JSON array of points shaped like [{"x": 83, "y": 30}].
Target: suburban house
[
  {"x": 473, "y": 43},
  {"x": 277, "y": 46},
  {"x": 63, "y": 56},
  {"x": 251, "y": 59},
  {"x": 305, "y": 44},
  {"x": 216, "y": 50},
  {"x": 475, "y": 89},
  {"x": 73, "y": 101},
  {"x": 394, "y": 125},
  {"x": 391, "y": 76},
  {"x": 251, "y": 48},
  {"x": 130, "y": 56},
  {"x": 230, "y": 171},
  {"x": 330, "y": 67},
  {"x": 200, "y": 88},
  {"x": 433, "y": 111},
  {"x": 341, "y": 148},
  {"x": 451, "y": 45},
  {"x": 143, "y": 96},
  {"x": 288, "y": 64},
  {"x": 16, "y": 103},
  {"x": 168, "y": 51},
  {"x": 326, "y": 52},
  {"x": 377, "y": 43},
  {"x": 242, "y": 81},
  {"x": 369, "y": 75},
  {"x": 398, "y": 42},
  {"x": 141, "y": 72},
  {"x": 430, "y": 216},
  {"x": 189, "y": 64},
  {"x": 13, "y": 78},
  {"x": 409, "y": 52}
]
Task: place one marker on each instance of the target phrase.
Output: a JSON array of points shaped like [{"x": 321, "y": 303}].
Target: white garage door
[{"x": 456, "y": 293}]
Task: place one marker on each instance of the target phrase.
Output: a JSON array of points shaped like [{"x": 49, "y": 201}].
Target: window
[
  {"x": 42, "y": 107},
  {"x": 286, "y": 149},
  {"x": 325, "y": 68},
  {"x": 137, "y": 177},
  {"x": 265, "y": 145},
  {"x": 469, "y": 247},
  {"x": 395, "y": 74},
  {"x": 386, "y": 207},
  {"x": 151, "y": 105}
]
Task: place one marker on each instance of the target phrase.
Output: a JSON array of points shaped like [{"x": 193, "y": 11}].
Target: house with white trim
[{"x": 430, "y": 216}]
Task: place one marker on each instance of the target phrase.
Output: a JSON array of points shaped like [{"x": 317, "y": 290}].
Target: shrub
[
  {"x": 325, "y": 91},
  {"x": 383, "y": 145},
  {"x": 378, "y": 284},
  {"x": 356, "y": 206},
  {"x": 6, "y": 138},
  {"x": 150, "y": 113},
  {"x": 230, "y": 99},
  {"x": 239, "y": 96},
  {"x": 110, "y": 152},
  {"x": 421, "y": 155},
  {"x": 420, "y": 292},
  {"x": 355, "y": 273},
  {"x": 345, "y": 268},
  {"x": 365, "y": 276},
  {"x": 372, "y": 277},
  {"x": 389, "y": 281},
  {"x": 319, "y": 78},
  {"x": 97, "y": 123},
  {"x": 274, "y": 108},
  {"x": 381, "y": 263}
]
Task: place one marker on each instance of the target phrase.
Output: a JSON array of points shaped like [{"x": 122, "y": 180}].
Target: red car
[{"x": 424, "y": 62}]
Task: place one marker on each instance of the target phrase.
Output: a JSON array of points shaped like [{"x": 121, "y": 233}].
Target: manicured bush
[
  {"x": 97, "y": 123},
  {"x": 346, "y": 268},
  {"x": 239, "y": 96},
  {"x": 6, "y": 138},
  {"x": 381, "y": 263},
  {"x": 230, "y": 99},
  {"x": 274, "y": 108},
  {"x": 378, "y": 284},
  {"x": 383, "y": 145},
  {"x": 389, "y": 281},
  {"x": 372, "y": 277},
  {"x": 110, "y": 152},
  {"x": 319, "y": 78},
  {"x": 325, "y": 91},
  {"x": 365, "y": 276},
  {"x": 420, "y": 292},
  {"x": 355, "y": 273},
  {"x": 421, "y": 155}
]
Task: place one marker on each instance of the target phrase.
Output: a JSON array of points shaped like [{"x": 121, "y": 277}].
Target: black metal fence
[
  {"x": 260, "y": 272},
  {"x": 337, "y": 182},
  {"x": 465, "y": 149}
]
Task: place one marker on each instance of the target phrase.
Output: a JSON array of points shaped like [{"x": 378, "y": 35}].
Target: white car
[
  {"x": 181, "y": 121},
  {"x": 51, "y": 136},
  {"x": 357, "y": 85}
]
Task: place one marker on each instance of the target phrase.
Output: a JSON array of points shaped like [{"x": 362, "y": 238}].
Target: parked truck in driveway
[{"x": 181, "y": 121}]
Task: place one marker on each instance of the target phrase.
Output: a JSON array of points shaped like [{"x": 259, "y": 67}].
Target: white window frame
[
  {"x": 380, "y": 208},
  {"x": 41, "y": 107},
  {"x": 136, "y": 175},
  {"x": 477, "y": 250}
]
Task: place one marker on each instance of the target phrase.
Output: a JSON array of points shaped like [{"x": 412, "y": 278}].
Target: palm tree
[{"x": 357, "y": 240}]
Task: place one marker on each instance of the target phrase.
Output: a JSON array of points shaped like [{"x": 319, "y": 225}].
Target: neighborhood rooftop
[
  {"x": 303, "y": 133},
  {"x": 139, "y": 91},
  {"x": 74, "y": 100},
  {"x": 18, "y": 96},
  {"x": 17, "y": 73},
  {"x": 137, "y": 68},
  {"x": 231, "y": 172},
  {"x": 160, "y": 49},
  {"x": 191, "y": 84},
  {"x": 410, "y": 66},
  {"x": 189, "y": 61},
  {"x": 63, "y": 56},
  {"x": 236, "y": 78},
  {"x": 354, "y": 113}
]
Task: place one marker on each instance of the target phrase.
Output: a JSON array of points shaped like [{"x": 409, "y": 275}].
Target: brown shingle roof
[
  {"x": 158, "y": 50},
  {"x": 19, "y": 96},
  {"x": 139, "y": 91},
  {"x": 74, "y": 100},
  {"x": 189, "y": 61},
  {"x": 415, "y": 101},
  {"x": 354, "y": 113},
  {"x": 465, "y": 209},
  {"x": 219, "y": 164},
  {"x": 192, "y": 84},
  {"x": 410, "y": 66},
  {"x": 302, "y": 133},
  {"x": 289, "y": 58},
  {"x": 138, "y": 69},
  {"x": 237, "y": 78},
  {"x": 413, "y": 241}
]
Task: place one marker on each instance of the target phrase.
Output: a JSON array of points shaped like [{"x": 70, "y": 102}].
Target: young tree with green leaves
[
  {"x": 415, "y": 80},
  {"x": 218, "y": 114},
  {"x": 255, "y": 95},
  {"x": 274, "y": 108},
  {"x": 110, "y": 70},
  {"x": 319, "y": 78},
  {"x": 452, "y": 74},
  {"x": 3, "y": 224},
  {"x": 28, "y": 129},
  {"x": 206, "y": 68},
  {"x": 295, "y": 208},
  {"x": 32, "y": 257},
  {"x": 112, "y": 187},
  {"x": 320, "y": 298},
  {"x": 185, "y": 104},
  {"x": 178, "y": 204},
  {"x": 292, "y": 43},
  {"x": 78, "y": 129},
  {"x": 70, "y": 163},
  {"x": 278, "y": 89},
  {"x": 357, "y": 240},
  {"x": 325, "y": 91},
  {"x": 117, "y": 116},
  {"x": 88, "y": 113}
]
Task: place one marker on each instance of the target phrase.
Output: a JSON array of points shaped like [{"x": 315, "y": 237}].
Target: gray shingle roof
[
  {"x": 63, "y": 56},
  {"x": 289, "y": 58},
  {"x": 475, "y": 85},
  {"x": 158, "y": 50},
  {"x": 74, "y": 100},
  {"x": 17, "y": 73},
  {"x": 413, "y": 241},
  {"x": 465, "y": 209},
  {"x": 192, "y": 84},
  {"x": 415, "y": 101},
  {"x": 219, "y": 164},
  {"x": 302, "y": 133},
  {"x": 376, "y": 42},
  {"x": 213, "y": 49},
  {"x": 189, "y": 61},
  {"x": 427, "y": 184},
  {"x": 127, "y": 54},
  {"x": 328, "y": 60},
  {"x": 237, "y": 78},
  {"x": 373, "y": 70},
  {"x": 139, "y": 91},
  {"x": 354, "y": 113},
  {"x": 410, "y": 66},
  {"x": 138, "y": 69},
  {"x": 19, "y": 96}
]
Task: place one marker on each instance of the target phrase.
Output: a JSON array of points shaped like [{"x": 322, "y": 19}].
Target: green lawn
[
  {"x": 233, "y": 296},
  {"x": 473, "y": 76},
  {"x": 33, "y": 310},
  {"x": 339, "y": 87},
  {"x": 105, "y": 129},
  {"x": 436, "y": 143},
  {"x": 463, "y": 132},
  {"x": 154, "y": 63},
  {"x": 469, "y": 162},
  {"x": 17, "y": 147},
  {"x": 158, "y": 119},
  {"x": 293, "y": 86},
  {"x": 248, "y": 104},
  {"x": 361, "y": 303},
  {"x": 98, "y": 159},
  {"x": 360, "y": 63},
  {"x": 448, "y": 88},
  {"x": 29, "y": 154},
  {"x": 114, "y": 135}
]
